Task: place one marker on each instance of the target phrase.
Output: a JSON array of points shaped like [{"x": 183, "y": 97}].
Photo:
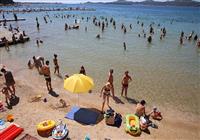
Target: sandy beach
[
  {"x": 165, "y": 71},
  {"x": 175, "y": 124}
]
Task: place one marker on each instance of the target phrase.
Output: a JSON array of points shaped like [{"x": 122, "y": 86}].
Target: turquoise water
[{"x": 164, "y": 73}]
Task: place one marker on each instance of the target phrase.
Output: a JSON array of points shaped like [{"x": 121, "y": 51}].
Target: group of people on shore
[
  {"x": 43, "y": 68},
  {"x": 108, "y": 89}
]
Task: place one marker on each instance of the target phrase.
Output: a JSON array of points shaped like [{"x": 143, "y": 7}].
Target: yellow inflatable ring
[{"x": 45, "y": 127}]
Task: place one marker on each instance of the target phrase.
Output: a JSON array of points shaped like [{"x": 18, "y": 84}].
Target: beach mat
[
  {"x": 70, "y": 114},
  {"x": 83, "y": 115}
]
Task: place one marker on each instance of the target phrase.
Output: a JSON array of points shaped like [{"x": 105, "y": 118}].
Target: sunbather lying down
[{"x": 61, "y": 104}]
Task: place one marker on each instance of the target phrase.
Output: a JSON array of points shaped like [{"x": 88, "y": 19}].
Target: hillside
[{"x": 6, "y": 2}]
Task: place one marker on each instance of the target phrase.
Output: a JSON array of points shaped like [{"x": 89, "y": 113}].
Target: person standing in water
[
  {"x": 124, "y": 45},
  {"x": 110, "y": 80},
  {"x": 125, "y": 82},
  {"x": 55, "y": 61}
]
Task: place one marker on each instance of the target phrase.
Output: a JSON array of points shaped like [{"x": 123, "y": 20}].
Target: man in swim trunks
[
  {"x": 47, "y": 75},
  {"x": 110, "y": 80},
  {"x": 125, "y": 81},
  {"x": 10, "y": 82}
]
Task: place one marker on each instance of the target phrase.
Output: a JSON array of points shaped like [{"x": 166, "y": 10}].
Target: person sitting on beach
[
  {"x": 82, "y": 71},
  {"x": 110, "y": 80},
  {"x": 140, "y": 108},
  {"x": 55, "y": 61},
  {"x": 14, "y": 39},
  {"x": 155, "y": 114},
  {"x": 38, "y": 63},
  {"x": 106, "y": 94},
  {"x": 21, "y": 38},
  {"x": 10, "y": 82},
  {"x": 125, "y": 81},
  {"x": 47, "y": 75},
  {"x": 7, "y": 95}
]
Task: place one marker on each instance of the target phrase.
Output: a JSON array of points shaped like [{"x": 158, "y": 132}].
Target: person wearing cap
[
  {"x": 106, "y": 94},
  {"x": 125, "y": 82}
]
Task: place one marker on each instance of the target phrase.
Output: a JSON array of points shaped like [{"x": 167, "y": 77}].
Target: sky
[{"x": 78, "y": 1}]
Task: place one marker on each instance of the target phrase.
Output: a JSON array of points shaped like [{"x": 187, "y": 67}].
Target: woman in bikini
[{"x": 106, "y": 94}]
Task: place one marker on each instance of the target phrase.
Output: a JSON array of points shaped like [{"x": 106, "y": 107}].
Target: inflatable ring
[
  {"x": 44, "y": 128},
  {"x": 132, "y": 125}
]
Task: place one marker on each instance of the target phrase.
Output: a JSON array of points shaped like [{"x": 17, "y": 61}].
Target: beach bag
[
  {"x": 110, "y": 120},
  {"x": 109, "y": 117},
  {"x": 118, "y": 120}
]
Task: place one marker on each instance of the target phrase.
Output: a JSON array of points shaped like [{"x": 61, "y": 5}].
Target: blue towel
[{"x": 70, "y": 114}]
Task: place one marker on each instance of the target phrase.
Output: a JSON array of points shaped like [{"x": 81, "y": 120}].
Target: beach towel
[
  {"x": 83, "y": 115},
  {"x": 11, "y": 132},
  {"x": 70, "y": 114}
]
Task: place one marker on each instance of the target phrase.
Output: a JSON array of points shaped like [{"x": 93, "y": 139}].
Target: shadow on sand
[
  {"x": 53, "y": 93},
  {"x": 117, "y": 100},
  {"x": 132, "y": 101}
]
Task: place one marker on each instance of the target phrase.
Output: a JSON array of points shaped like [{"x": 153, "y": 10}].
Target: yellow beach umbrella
[{"x": 78, "y": 83}]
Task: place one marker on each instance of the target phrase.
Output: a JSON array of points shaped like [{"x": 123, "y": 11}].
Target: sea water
[{"x": 163, "y": 72}]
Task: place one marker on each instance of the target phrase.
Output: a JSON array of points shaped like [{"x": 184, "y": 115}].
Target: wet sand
[{"x": 175, "y": 124}]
